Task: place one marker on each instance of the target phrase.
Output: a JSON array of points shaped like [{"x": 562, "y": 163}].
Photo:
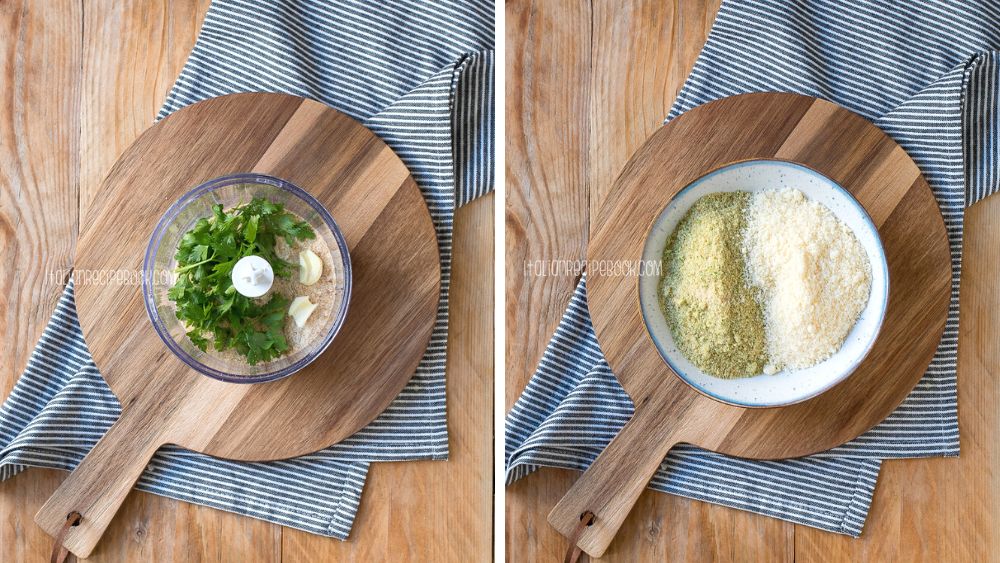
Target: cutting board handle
[
  {"x": 99, "y": 485},
  {"x": 612, "y": 484}
]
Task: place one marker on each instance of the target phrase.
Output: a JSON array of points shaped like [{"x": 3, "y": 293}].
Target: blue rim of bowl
[
  {"x": 157, "y": 237},
  {"x": 882, "y": 310}
]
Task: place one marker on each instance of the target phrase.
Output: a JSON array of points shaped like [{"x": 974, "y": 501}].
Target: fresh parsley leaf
[{"x": 206, "y": 301}]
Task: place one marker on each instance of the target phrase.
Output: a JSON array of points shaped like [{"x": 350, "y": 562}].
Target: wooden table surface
[
  {"x": 79, "y": 81},
  {"x": 587, "y": 83}
]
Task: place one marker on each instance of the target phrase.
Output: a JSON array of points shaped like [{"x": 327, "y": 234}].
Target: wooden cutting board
[
  {"x": 846, "y": 148},
  {"x": 397, "y": 277}
]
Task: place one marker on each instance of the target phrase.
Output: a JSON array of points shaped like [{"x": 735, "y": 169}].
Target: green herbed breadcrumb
[{"x": 713, "y": 313}]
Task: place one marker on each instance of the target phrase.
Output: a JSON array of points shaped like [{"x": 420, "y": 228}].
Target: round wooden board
[
  {"x": 396, "y": 283},
  {"x": 847, "y": 149},
  {"x": 394, "y": 254}
]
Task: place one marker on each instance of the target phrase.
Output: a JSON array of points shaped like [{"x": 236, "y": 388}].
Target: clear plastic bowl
[{"x": 159, "y": 265}]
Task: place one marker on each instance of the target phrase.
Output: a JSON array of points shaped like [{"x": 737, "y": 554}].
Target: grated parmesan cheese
[{"x": 812, "y": 272}]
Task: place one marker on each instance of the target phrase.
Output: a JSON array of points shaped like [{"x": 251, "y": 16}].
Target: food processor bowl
[{"x": 160, "y": 264}]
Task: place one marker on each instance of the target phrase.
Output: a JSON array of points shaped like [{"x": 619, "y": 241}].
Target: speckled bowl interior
[{"x": 785, "y": 387}]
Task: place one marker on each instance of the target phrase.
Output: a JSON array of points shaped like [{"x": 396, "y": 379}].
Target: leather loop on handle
[
  {"x": 59, "y": 553},
  {"x": 573, "y": 552},
  {"x": 98, "y": 486}
]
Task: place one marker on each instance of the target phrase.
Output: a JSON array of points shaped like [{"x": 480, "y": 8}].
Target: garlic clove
[
  {"x": 300, "y": 309},
  {"x": 310, "y": 267}
]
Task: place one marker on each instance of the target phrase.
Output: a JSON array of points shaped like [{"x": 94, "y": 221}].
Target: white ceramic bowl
[{"x": 785, "y": 387}]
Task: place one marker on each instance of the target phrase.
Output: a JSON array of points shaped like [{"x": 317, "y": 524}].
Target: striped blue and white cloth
[
  {"x": 926, "y": 73},
  {"x": 420, "y": 75}
]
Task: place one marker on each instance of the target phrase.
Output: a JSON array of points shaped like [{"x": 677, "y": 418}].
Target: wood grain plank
[
  {"x": 945, "y": 509},
  {"x": 39, "y": 173},
  {"x": 642, "y": 52},
  {"x": 548, "y": 50},
  {"x": 133, "y": 52},
  {"x": 548, "y": 68},
  {"x": 466, "y": 481},
  {"x": 433, "y": 510}
]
